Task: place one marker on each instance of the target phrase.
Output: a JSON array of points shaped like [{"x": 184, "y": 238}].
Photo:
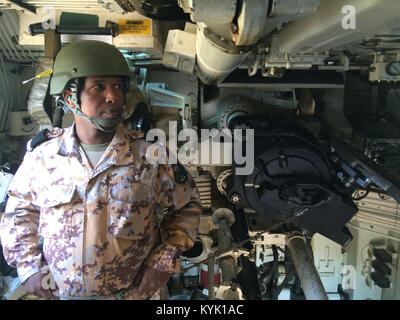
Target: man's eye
[
  {"x": 97, "y": 87},
  {"x": 118, "y": 86}
]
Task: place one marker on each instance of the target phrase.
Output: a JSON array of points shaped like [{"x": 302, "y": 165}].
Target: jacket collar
[
  {"x": 69, "y": 146},
  {"x": 118, "y": 152}
]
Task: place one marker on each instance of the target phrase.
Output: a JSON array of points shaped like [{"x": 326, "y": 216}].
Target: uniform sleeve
[
  {"x": 180, "y": 225},
  {"x": 19, "y": 224}
]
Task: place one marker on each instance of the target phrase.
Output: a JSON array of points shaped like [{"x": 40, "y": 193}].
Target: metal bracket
[{"x": 158, "y": 96}]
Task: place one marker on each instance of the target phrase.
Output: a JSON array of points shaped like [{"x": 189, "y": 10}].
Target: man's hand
[
  {"x": 149, "y": 280},
  {"x": 38, "y": 284}
]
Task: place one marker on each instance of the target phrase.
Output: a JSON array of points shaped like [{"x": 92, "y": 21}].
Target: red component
[{"x": 204, "y": 275}]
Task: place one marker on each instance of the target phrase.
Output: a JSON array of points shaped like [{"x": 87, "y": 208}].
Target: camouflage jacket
[{"x": 99, "y": 226}]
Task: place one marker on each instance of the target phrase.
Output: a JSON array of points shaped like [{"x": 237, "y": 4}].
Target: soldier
[{"x": 91, "y": 195}]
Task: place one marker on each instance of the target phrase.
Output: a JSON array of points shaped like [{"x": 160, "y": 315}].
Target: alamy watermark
[
  {"x": 48, "y": 282},
  {"x": 49, "y": 20},
  {"x": 349, "y": 19},
  {"x": 211, "y": 150},
  {"x": 349, "y": 275}
]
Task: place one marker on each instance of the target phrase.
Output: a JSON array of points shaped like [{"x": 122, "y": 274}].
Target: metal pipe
[
  {"x": 283, "y": 284},
  {"x": 252, "y": 70},
  {"x": 341, "y": 68},
  {"x": 227, "y": 264},
  {"x": 323, "y": 29},
  {"x": 266, "y": 277},
  {"x": 211, "y": 292},
  {"x": 303, "y": 262},
  {"x": 210, "y": 11},
  {"x": 288, "y": 65},
  {"x": 214, "y": 64},
  {"x": 228, "y": 271},
  {"x": 223, "y": 218},
  {"x": 224, "y": 235}
]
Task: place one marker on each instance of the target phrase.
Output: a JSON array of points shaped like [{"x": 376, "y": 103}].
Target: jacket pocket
[
  {"x": 129, "y": 214},
  {"x": 56, "y": 212}
]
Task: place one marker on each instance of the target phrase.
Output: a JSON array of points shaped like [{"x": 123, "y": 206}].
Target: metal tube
[
  {"x": 228, "y": 271},
  {"x": 223, "y": 218},
  {"x": 214, "y": 64},
  {"x": 288, "y": 65},
  {"x": 303, "y": 262},
  {"x": 224, "y": 235},
  {"x": 211, "y": 293},
  {"x": 323, "y": 29},
  {"x": 210, "y": 11},
  {"x": 341, "y": 68},
  {"x": 266, "y": 277},
  {"x": 227, "y": 264}
]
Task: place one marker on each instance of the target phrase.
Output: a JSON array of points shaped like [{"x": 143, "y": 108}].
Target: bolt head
[{"x": 235, "y": 198}]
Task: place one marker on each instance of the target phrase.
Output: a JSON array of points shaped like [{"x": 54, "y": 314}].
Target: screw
[
  {"x": 170, "y": 59},
  {"x": 186, "y": 65},
  {"x": 235, "y": 198}
]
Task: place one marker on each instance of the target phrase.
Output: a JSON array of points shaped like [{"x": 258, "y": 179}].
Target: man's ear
[{"x": 67, "y": 95}]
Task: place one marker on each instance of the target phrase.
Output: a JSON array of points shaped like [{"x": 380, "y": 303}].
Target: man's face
[{"x": 102, "y": 97}]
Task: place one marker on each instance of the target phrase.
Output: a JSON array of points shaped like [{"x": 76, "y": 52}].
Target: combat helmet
[{"x": 87, "y": 58}]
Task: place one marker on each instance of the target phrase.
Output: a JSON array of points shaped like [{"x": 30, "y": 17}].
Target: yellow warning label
[{"x": 141, "y": 27}]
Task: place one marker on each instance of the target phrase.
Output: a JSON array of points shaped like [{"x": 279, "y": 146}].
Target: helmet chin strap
[{"x": 105, "y": 125}]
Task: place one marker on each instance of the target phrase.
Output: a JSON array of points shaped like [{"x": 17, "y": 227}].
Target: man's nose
[{"x": 111, "y": 95}]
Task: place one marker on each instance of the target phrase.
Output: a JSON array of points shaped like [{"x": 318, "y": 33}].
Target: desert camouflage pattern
[{"x": 99, "y": 225}]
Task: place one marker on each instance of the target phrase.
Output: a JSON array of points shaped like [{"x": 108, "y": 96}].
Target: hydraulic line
[{"x": 303, "y": 262}]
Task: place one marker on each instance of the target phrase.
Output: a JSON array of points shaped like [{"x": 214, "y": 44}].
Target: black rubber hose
[
  {"x": 283, "y": 284},
  {"x": 37, "y": 28},
  {"x": 266, "y": 277}
]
